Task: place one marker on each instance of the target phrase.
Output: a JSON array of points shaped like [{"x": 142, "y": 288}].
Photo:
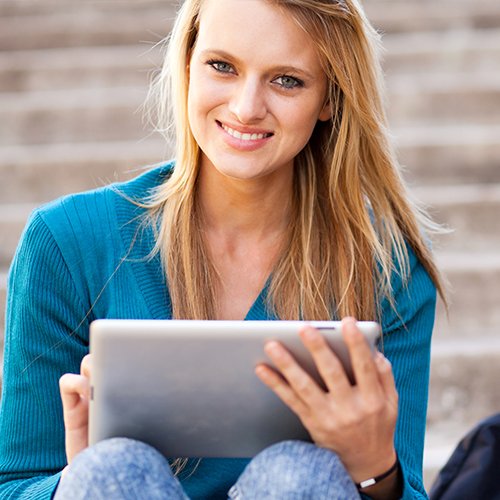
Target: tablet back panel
[{"x": 188, "y": 388}]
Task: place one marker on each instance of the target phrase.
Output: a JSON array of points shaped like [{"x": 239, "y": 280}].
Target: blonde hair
[{"x": 352, "y": 217}]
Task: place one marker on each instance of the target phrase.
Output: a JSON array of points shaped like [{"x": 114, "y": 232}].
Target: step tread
[
  {"x": 436, "y": 42},
  {"x": 463, "y": 194},
  {"x": 102, "y": 98},
  {"x": 108, "y": 57}
]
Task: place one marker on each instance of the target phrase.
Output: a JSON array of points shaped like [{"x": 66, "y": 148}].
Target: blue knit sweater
[{"x": 69, "y": 270}]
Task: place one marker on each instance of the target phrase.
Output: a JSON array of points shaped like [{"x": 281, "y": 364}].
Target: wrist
[
  {"x": 370, "y": 481},
  {"x": 390, "y": 487}
]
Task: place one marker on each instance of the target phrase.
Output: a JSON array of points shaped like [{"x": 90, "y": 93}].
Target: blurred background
[{"x": 73, "y": 76}]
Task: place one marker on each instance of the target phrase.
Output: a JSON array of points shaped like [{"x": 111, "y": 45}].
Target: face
[{"x": 256, "y": 88}]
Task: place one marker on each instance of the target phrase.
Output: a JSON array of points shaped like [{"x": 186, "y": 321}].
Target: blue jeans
[{"x": 123, "y": 469}]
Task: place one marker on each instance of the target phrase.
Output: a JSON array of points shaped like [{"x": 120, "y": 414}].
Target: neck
[{"x": 242, "y": 209}]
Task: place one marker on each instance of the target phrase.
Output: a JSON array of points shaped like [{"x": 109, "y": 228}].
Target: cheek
[
  {"x": 204, "y": 95},
  {"x": 299, "y": 122}
]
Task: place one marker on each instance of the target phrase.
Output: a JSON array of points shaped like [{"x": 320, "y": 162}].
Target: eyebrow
[{"x": 282, "y": 69}]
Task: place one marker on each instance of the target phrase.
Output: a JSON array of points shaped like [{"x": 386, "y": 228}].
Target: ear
[{"x": 326, "y": 112}]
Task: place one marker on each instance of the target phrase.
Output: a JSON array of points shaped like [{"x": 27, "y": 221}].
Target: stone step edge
[
  {"x": 66, "y": 152},
  {"x": 463, "y": 194}
]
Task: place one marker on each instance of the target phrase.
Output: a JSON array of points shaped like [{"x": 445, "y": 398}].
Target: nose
[{"x": 248, "y": 101}]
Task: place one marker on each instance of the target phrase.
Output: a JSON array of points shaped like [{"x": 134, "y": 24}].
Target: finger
[
  {"x": 386, "y": 377},
  {"x": 73, "y": 388},
  {"x": 362, "y": 359},
  {"x": 328, "y": 364},
  {"x": 86, "y": 365},
  {"x": 280, "y": 387},
  {"x": 298, "y": 380}
]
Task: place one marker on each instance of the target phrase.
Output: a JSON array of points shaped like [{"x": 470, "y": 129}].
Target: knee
[
  {"x": 296, "y": 459},
  {"x": 119, "y": 468},
  {"x": 295, "y": 469},
  {"x": 114, "y": 462},
  {"x": 117, "y": 455}
]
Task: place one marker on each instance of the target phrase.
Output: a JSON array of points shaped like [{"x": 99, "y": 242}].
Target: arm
[
  {"x": 45, "y": 336},
  {"x": 359, "y": 422},
  {"x": 407, "y": 341}
]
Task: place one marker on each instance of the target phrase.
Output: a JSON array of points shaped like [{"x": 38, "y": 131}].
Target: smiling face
[{"x": 256, "y": 88}]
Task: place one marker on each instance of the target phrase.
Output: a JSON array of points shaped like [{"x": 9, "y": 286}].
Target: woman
[{"x": 284, "y": 203}]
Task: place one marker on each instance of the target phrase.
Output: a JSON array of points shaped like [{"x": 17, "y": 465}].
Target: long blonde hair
[{"x": 352, "y": 217}]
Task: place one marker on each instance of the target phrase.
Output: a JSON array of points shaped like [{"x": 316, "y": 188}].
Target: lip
[{"x": 247, "y": 143}]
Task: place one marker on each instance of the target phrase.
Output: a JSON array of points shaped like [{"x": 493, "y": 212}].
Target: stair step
[
  {"x": 72, "y": 115},
  {"x": 442, "y": 52},
  {"x": 13, "y": 218},
  {"x": 84, "y": 67},
  {"x": 39, "y": 173},
  {"x": 474, "y": 296},
  {"x": 449, "y": 154},
  {"x": 45, "y": 7},
  {"x": 464, "y": 374},
  {"x": 470, "y": 212},
  {"x": 78, "y": 27},
  {"x": 444, "y": 99},
  {"x": 403, "y": 16}
]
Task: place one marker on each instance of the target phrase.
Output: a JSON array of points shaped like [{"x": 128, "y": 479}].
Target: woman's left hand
[{"x": 355, "y": 421}]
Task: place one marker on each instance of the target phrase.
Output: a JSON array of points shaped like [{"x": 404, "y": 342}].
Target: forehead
[{"x": 257, "y": 29}]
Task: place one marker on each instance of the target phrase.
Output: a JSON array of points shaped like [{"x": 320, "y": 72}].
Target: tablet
[{"x": 188, "y": 388}]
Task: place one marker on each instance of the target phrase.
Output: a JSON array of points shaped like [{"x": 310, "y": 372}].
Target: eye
[
  {"x": 288, "y": 82},
  {"x": 221, "y": 66}
]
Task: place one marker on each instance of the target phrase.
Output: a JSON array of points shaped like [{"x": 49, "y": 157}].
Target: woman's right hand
[{"x": 75, "y": 394}]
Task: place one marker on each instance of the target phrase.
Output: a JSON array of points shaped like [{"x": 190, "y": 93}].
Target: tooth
[
  {"x": 237, "y": 134},
  {"x": 255, "y": 137},
  {"x": 246, "y": 137}
]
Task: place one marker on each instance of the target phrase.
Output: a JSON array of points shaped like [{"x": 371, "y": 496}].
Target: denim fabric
[
  {"x": 124, "y": 469},
  {"x": 119, "y": 469},
  {"x": 295, "y": 470}
]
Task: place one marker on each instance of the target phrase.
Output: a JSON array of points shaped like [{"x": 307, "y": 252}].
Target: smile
[{"x": 244, "y": 136}]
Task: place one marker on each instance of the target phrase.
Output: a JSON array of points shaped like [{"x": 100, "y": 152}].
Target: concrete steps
[
  {"x": 445, "y": 99},
  {"x": 89, "y": 26},
  {"x": 442, "y": 51},
  {"x": 38, "y": 173},
  {"x": 85, "y": 67},
  {"x": 451, "y": 154},
  {"x": 72, "y": 115}
]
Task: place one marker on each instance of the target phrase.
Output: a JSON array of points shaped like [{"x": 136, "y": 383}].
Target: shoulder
[
  {"x": 97, "y": 212},
  {"x": 90, "y": 229}
]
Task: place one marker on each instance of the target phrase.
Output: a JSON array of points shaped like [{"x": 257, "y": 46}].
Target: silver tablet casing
[{"x": 188, "y": 388}]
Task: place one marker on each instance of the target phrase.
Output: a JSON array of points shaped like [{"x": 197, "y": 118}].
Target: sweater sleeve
[
  {"x": 407, "y": 331},
  {"x": 46, "y": 336}
]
